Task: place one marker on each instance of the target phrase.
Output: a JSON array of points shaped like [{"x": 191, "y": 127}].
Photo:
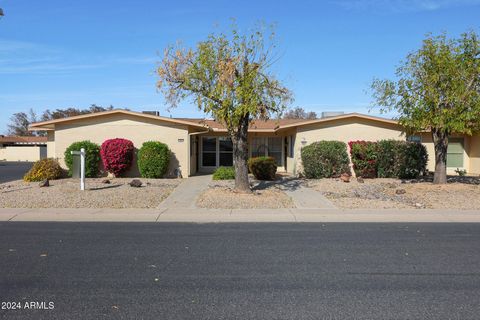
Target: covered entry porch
[{"x": 213, "y": 151}]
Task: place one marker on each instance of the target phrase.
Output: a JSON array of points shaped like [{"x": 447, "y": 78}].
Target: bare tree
[
  {"x": 299, "y": 113},
  {"x": 19, "y": 123}
]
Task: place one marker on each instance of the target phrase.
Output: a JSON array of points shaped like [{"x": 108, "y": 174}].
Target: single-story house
[
  {"x": 22, "y": 148},
  {"x": 200, "y": 145}
]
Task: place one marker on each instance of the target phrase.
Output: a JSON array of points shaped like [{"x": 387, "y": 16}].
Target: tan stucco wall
[
  {"x": 345, "y": 130},
  {"x": 475, "y": 154},
  {"x": 136, "y": 129},
  {"x": 23, "y": 153}
]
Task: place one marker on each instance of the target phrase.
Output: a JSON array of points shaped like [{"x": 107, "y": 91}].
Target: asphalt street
[
  {"x": 10, "y": 171},
  {"x": 239, "y": 271}
]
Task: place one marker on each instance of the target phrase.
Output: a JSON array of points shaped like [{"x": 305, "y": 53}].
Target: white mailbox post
[{"x": 81, "y": 153}]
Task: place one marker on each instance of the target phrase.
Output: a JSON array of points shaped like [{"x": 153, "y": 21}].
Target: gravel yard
[
  {"x": 459, "y": 193},
  {"x": 221, "y": 195},
  {"x": 65, "y": 193}
]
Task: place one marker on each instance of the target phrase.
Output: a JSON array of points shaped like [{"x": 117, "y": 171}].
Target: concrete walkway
[
  {"x": 186, "y": 194},
  {"x": 239, "y": 215},
  {"x": 302, "y": 196}
]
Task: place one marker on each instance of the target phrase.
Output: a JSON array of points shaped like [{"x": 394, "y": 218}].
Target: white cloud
[{"x": 396, "y": 6}]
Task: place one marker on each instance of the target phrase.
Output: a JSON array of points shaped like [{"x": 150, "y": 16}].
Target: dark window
[
  {"x": 226, "y": 159},
  {"x": 225, "y": 144},
  {"x": 209, "y": 144},
  {"x": 209, "y": 159}
]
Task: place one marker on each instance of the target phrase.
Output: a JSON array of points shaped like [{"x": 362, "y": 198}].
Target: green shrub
[
  {"x": 263, "y": 168},
  {"x": 44, "y": 169},
  {"x": 388, "y": 158},
  {"x": 364, "y": 158},
  {"x": 325, "y": 159},
  {"x": 92, "y": 157},
  {"x": 412, "y": 160},
  {"x": 153, "y": 159},
  {"x": 224, "y": 173}
]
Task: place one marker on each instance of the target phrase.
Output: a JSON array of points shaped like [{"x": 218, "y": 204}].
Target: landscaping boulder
[
  {"x": 400, "y": 191},
  {"x": 135, "y": 183},
  {"x": 44, "y": 183},
  {"x": 345, "y": 177},
  {"x": 106, "y": 181}
]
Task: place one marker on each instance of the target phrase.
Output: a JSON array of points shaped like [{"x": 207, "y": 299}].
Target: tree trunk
[
  {"x": 240, "y": 155},
  {"x": 440, "y": 142}
]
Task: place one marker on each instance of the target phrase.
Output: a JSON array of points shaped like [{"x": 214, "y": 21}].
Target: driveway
[
  {"x": 10, "y": 171},
  {"x": 241, "y": 271}
]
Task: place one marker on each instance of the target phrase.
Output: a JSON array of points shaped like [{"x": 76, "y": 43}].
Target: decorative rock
[
  {"x": 360, "y": 180},
  {"x": 419, "y": 205},
  {"x": 345, "y": 177},
  {"x": 400, "y": 191},
  {"x": 44, "y": 183},
  {"x": 135, "y": 183},
  {"x": 106, "y": 181}
]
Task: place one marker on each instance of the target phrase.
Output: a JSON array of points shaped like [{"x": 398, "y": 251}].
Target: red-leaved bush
[
  {"x": 364, "y": 156},
  {"x": 117, "y": 155}
]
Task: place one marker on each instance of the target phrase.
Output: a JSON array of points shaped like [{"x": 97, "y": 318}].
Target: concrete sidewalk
[{"x": 238, "y": 215}]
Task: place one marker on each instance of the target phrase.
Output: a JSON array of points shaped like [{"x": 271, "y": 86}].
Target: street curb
[{"x": 199, "y": 215}]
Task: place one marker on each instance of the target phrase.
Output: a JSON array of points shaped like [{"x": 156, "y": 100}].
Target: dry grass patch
[
  {"x": 221, "y": 195},
  {"x": 459, "y": 193},
  {"x": 65, "y": 193}
]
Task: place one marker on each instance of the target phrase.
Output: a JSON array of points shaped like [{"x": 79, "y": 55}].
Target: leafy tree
[
  {"x": 19, "y": 123},
  {"x": 228, "y": 77},
  {"x": 299, "y": 113},
  {"x": 438, "y": 89}
]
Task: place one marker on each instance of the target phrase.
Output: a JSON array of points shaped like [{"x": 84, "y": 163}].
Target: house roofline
[
  {"x": 42, "y": 125},
  {"x": 47, "y": 125},
  {"x": 340, "y": 117}
]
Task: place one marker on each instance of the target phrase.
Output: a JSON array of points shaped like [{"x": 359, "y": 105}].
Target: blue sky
[{"x": 57, "y": 54}]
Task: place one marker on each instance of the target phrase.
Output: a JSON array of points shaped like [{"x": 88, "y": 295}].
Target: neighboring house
[
  {"x": 15, "y": 148},
  {"x": 200, "y": 145}
]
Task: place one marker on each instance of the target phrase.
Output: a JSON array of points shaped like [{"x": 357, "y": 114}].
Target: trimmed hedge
[
  {"x": 153, "y": 159},
  {"x": 44, "y": 169},
  {"x": 117, "y": 155},
  {"x": 263, "y": 168},
  {"x": 413, "y": 160},
  {"x": 364, "y": 158},
  {"x": 224, "y": 173},
  {"x": 388, "y": 159},
  {"x": 92, "y": 158},
  {"x": 325, "y": 159}
]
